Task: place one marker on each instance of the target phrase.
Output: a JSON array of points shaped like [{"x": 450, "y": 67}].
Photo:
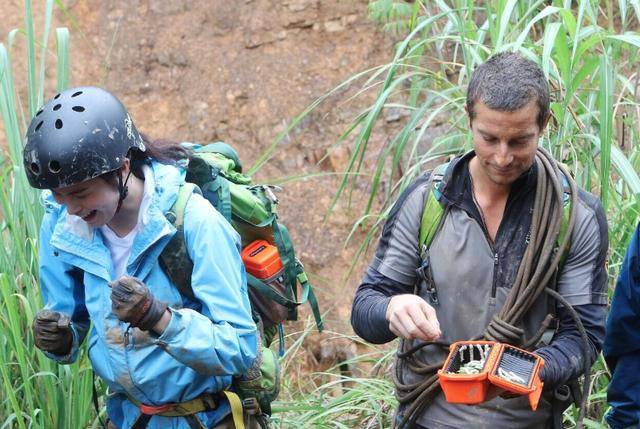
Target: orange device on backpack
[{"x": 261, "y": 259}]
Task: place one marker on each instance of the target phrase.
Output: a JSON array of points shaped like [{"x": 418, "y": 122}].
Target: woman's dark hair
[{"x": 162, "y": 150}]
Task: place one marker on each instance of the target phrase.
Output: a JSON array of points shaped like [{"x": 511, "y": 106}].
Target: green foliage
[
  {"x": 586, "y": 50},
  {"x": 588, "y": 54},
  {"x": 35, "y": 392},
  {"x": 336, "y": 398}
]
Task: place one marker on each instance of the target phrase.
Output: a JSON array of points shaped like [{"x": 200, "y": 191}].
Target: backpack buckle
[
  {"x": 425, "y": 278},
  {"x": 268, "y": 192},
  {"x": 251, "y": 406},
  {"x": 432, "y": 294}
]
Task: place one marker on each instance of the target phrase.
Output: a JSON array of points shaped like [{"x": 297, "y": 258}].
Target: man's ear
[{"x": 466, "y": 109}]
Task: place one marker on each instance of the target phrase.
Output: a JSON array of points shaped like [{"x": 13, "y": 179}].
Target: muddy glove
[
  {"x": 52, "y": 332},
  {"x": 132, "y": 302}
]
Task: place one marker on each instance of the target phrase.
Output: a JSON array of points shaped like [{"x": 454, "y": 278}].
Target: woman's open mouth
[{"x": 90, "y": 217}]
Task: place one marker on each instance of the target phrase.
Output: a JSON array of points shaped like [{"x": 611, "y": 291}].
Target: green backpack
[{"x": 215, "y": 171}]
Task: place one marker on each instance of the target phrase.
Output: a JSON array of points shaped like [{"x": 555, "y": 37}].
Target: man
[
  {"x": 623, "y": 342},
  {"x": 487, "y": 197}
]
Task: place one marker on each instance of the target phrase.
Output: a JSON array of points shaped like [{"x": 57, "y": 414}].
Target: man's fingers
[
  {"x": 431, "y": 316},
  {"x": 407, "y": 328},
  {"x": 427, "y": 326},
  {"x": 410, "y": 317}
]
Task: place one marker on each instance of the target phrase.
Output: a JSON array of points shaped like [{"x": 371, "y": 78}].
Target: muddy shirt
[{"x": 473, "y": 276}]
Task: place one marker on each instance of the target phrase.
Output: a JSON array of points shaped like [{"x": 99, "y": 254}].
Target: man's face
[
  {"x": 94, "y": 200},
  {"x": 505, "y": 142}
]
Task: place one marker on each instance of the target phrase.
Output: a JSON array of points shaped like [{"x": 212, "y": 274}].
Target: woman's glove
[
  {"x": 52, "y": 332},
  {"x": 132, "y": 302}
]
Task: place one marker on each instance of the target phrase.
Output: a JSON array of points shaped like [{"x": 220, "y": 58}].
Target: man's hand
[
  {"x": 52, "y": 332},
  {"x": 411, "y": 318},
  {"x": 132, "y": 302}
]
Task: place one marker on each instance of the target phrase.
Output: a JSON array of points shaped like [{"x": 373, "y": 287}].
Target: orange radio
[{"x": 261, "y": 259}]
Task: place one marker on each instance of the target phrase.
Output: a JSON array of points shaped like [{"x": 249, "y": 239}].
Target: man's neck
[
  {"x": 483, "y": 186},
  {"x": 127, "y": 218}
]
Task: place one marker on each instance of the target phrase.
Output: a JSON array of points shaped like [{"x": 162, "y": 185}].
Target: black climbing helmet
[{"x": 79, "y": 134}]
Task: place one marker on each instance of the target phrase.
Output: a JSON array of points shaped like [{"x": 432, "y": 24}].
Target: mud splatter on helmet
[{"x": 78, "y": 135}]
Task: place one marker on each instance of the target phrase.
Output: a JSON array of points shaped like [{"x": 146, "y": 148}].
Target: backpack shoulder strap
[
  {"x": 566, "y": 215},
  {"x": 174, "y": 259},
  {"x": 433, "y": 211}
]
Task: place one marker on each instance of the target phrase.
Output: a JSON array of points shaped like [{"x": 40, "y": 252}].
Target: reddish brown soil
[{"x": 239, "y": 71}]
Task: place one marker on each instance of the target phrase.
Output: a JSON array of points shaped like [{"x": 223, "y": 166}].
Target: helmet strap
[{"x": 123, "y": 189}]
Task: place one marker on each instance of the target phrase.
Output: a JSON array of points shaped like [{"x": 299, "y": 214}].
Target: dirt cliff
[{"x": 238, "y": 71}]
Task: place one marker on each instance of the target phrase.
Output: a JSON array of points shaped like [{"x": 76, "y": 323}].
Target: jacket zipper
[{"x": 496, "y": 257}]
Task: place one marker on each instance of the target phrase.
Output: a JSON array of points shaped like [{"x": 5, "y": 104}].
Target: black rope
[{"x": 586, "y": 365}]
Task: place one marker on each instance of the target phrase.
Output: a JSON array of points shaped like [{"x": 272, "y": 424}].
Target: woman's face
[{"x": 94, "y": 200}]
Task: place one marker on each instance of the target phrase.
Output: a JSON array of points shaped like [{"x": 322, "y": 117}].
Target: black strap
[
  {"x": 141, "y": 422},
  {"x": 194, "y": 422}
]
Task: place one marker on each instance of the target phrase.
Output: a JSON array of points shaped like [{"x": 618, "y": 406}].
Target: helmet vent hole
[
  {"x": 78, "y": 109},
  {"x": 39, "y": 112},
  {"x": 35, "y": 168},
  {"x": 54, "y": 166},
  {"x": 58, "y": 123},
  {"x": 39, "y": 125},
  {"x": 75, "y": 94},
  {"x": 57, "y": 107},
  {"x": 57, "y": 96}
]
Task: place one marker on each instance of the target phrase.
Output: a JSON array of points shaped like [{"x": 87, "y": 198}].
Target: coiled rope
[{"x": 537, "y": 271}]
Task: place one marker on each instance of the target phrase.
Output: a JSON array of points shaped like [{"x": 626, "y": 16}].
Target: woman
[{"x": 166, "y": 359}]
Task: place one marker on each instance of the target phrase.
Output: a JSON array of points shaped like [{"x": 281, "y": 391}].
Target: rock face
[{"x": 239, "y": 71}]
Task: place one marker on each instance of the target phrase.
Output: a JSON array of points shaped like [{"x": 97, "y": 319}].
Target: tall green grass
[
  {"x": 331, "y": 399},
  {"x": 35, "y": 392},
  {"x": 587, "y": 49},
  {"x": 588, "y": 55}
]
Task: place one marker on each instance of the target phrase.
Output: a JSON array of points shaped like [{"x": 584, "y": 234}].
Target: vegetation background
[{"x": 384, "y": 82}]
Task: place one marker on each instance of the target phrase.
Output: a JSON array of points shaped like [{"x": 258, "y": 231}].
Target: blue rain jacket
[
  {"x": 208, "y": 339},
  {"x": 622, "y": 342}
]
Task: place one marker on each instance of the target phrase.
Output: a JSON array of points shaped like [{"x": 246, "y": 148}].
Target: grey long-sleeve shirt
[{"x": 582, "y": 280}]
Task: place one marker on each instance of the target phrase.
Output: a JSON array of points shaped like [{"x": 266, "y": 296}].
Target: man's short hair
[{"x": 507, "y": 82}]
